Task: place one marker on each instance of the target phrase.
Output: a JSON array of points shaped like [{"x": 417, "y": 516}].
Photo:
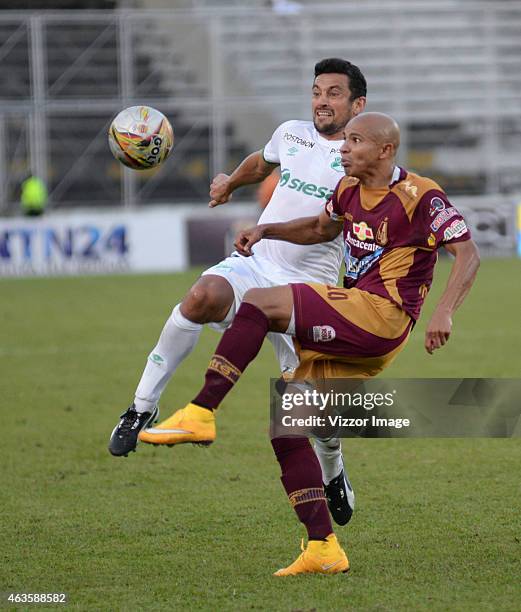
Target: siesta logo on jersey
[{"x": 309, "y": 189}]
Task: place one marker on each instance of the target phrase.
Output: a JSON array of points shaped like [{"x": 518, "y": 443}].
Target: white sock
[
  {"x": 178, "y": 338},
  {"x": 329, "y": 455}
]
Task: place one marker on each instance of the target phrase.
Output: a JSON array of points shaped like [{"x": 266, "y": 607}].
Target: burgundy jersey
[{"x": 391, "y": 236}]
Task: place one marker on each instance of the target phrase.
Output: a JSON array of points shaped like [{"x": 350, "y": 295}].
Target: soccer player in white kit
[{"x": 309, "y": 159}]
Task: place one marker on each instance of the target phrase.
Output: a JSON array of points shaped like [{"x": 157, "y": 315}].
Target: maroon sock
[
  {"x": 239, "y": 345},
  {"x": 302, "y": 479}
]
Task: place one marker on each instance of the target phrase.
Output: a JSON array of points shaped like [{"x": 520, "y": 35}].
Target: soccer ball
[{"x": 141, "y": 137}]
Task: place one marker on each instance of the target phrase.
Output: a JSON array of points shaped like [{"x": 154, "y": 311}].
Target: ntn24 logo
[{"x": 84, "y": 242}]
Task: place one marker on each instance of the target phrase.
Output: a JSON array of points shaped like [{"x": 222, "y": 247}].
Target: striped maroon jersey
[{"x": 391, "y": 236}]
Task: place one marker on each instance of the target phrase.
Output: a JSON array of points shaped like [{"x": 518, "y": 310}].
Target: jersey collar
[{"x": 332, "y": 144}]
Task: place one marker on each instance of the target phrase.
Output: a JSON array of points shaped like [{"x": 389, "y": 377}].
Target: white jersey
[{"x": 310, "y": 169}]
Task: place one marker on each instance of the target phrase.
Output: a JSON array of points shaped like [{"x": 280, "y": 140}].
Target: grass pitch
[{"x": 437, "y": 522}]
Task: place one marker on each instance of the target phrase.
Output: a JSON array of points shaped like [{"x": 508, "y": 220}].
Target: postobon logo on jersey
[{"x": 310, "y": 189}]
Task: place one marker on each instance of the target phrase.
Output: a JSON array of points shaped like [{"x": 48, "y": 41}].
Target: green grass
[{"x": 437, "y": 523}]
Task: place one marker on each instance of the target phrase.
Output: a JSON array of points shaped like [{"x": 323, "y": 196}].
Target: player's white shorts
[{"x": 243, "y": 274}]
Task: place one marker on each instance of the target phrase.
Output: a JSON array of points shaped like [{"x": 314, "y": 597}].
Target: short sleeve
[
  {"x": 332, "y": 206},
  {"x": 441, "y": 222},
  {"x": 271, "y": 150}
]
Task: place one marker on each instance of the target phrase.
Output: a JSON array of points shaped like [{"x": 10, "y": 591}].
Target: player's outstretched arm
[
  {"x": 460, "y": 281},
  {"x": 305, "y": 230},
  {"x": 253, "y": 169}
]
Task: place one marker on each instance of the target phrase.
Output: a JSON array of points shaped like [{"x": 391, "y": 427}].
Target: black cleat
[
  {"x": 340, "y": 499},
  {"x": 123, "y": 439}
]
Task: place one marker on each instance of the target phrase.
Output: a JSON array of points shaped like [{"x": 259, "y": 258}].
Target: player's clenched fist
[
  {"x": 220, "y": 190},
  {"x": 245, "y": 239},
  {"x": 438, "y": 331}
]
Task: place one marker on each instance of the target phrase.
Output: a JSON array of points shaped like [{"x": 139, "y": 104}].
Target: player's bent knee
[{"x": 207, "y": 302}]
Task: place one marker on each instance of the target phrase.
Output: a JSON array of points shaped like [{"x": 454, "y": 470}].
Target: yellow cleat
[
  {"x": 190, "y": 424},
  {"x": 318, "y": 558}
]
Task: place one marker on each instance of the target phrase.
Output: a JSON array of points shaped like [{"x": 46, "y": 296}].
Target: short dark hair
[{"x": 357, "y": 82}]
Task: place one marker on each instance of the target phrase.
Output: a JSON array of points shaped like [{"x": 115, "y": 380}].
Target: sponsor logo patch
[
  {"x": 332, "y": 213},
  {"x": 437, "y": 205},
  {"x": 292, "y": 151},
  {"x": 323, "y": 333},
  {"x": 455, "y": 230},
  {"x": 442, "y": 217},
  {"x": 360, "y": 244},
  {"x": 297, "y": 140},
  {"x": 309, "y": 189},
  {"x": 222, "y": 366},
  {"x": 358, "y": 266},
  {"x": 363, "y": 231},
  {"x": 337, "y": 165}
]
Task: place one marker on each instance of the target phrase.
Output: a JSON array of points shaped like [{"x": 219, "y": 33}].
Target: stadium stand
[
  {"x": 227, "y": 72},
  {"x": 82, "y": 90}
]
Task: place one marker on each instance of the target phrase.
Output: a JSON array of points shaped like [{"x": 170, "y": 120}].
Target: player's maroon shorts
[{"x": 346, "y": 332}]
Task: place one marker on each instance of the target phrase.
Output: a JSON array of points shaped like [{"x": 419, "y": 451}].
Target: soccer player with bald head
[
  {"x": 308, "y": 153},
  {"x": 393, "y": 223}
]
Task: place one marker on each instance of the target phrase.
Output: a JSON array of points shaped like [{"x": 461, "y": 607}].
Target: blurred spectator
[{"x": 33, "y": 198}]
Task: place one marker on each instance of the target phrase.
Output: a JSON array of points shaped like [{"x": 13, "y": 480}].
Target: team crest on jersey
[
  {"x": 431, "y": 240},
  {"x": 292, "y": 151},
  {"x": 337, "y": 165},
  {"x": 363, "y": 231},
  {"x": 437, "y": 205},
  {"x": 382, "y": 237},
  {"x": 323, "y": 333}
]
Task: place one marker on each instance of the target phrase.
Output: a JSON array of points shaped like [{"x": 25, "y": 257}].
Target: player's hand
[
  {"x": 438, "y": 330},
  {"x": 245, "y": 239},
  {"x": 220, "y": 191}
]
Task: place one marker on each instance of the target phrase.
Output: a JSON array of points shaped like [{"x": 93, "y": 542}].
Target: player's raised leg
[
  {"x": 271, "y": 311},
  {"x": 209, "y": 299}
]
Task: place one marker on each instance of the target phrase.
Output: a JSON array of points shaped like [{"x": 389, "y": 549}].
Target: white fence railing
[{"x": 449, "y": 71}]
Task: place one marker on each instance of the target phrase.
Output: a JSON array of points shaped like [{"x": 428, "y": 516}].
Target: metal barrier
[{"x": 448, "y": 71}]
